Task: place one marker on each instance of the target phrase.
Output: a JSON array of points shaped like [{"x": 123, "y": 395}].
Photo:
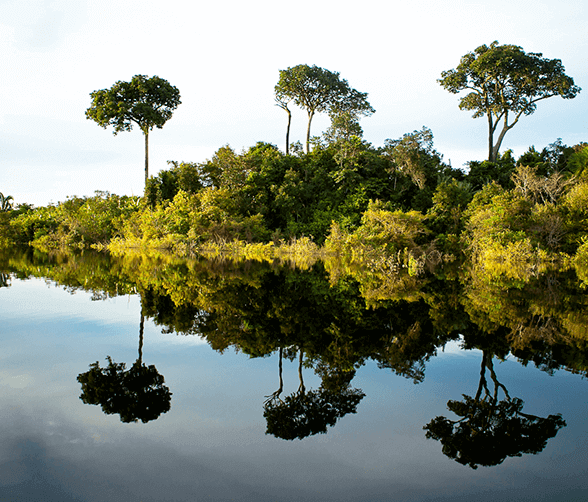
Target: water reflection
[
  {"x": 135, "y": 394},
  {"x": 306, "y": 413},
  {"x": 334, "y": 322},
  {"x": 490, "y": 430},
  {"x": 4, "y": 280}
]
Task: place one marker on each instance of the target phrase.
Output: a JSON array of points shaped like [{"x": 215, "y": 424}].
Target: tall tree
[
  {"x": 505, "y": 83},
  {"x": 146, "y": 102},
  {"x": 283, "y": 101},
  {"x": 303, "y": 413},
  {"x": 318, "y": 90}
]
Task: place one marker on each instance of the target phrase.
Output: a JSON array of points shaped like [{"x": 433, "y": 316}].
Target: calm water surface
[{"x": 212, "y": 443}]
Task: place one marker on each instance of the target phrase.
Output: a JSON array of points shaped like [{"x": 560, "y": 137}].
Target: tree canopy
[
  {"x": 318, "y": 90},
  {"x": 135, "y": 394},
  {"x": 504, "y": 83},
  {"x": 146, "y": 102}
]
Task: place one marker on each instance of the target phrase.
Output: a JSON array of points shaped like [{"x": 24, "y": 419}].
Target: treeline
[
  {"x": 345, "y": 193},
  {"x": 76, "y": 223}
]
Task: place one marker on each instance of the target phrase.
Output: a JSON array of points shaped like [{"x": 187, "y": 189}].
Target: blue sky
[{"x": 225, "y": 58}]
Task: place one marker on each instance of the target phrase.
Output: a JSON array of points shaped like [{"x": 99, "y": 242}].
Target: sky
[{"x": 225, "y": 57}]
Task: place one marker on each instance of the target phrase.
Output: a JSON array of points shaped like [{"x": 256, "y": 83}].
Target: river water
[{"x": 262, "y": 383}]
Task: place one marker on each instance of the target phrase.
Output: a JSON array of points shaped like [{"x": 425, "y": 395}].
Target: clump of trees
[
  {"x": 78, "y": 222},
  {"x": 318, "y": 90},
  {"x": 270, "y": 195},
  {"x": 398, "y": 198}
]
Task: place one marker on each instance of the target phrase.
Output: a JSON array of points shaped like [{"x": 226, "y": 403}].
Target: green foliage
[
  {"x": 319, "y": 90},
  {"x": 145, "y": 102},
  {"x": 500, "y": 171},
  {"x": 450, "y": 199},
  {"x": 6, "y": 231},
  {"x": 344, "y": 127},
  {"x": 509, "y": 234},
  {"x": 414, "y": 169},
  {"x": 495, "y": 212},
  {"x": 187, "y": 177},
  {"x": 390, "y": 230},
  {"x": 5, "y": 202},
  {"x": 210, "y": 214},
  {"x": 261, "y": 192},
  {"x": 77, "y": 222},
  {"x": 578, "y": 161},
  {"x": 502, "y": 80},
  {"x": 554, "y": 158},
  {"x": 574, "y": 206},
  {"x": 34, "y": 223},
  {"x": 581, "y": 262},
  {"x": 414, "y": 156}
]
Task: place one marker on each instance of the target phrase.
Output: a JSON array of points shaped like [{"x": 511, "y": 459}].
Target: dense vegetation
[
  {"x": 346, "y": 194},
  {"x": 400, "y": 199}
]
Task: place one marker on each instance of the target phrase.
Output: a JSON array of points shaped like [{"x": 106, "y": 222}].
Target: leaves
[
  {"x": 308, "y": 413},
  {"x": 146, "y": 102},
  {"x": 5, "y": 202},
  {"x": 503, "y": 79},
  {"x": 319, "y": 90}
]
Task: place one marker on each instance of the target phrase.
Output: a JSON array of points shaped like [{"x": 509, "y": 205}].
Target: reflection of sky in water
[{"x": 212, "y": 445}]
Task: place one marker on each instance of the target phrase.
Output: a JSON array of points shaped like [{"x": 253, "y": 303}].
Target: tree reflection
[
  {"x": 135, "y": 394},
  {"x": 4, "y": 280},
  {"x": 491, "y": 430},
  {"x": 344, "y": 315},
  {"x": 306, "y": 413}
]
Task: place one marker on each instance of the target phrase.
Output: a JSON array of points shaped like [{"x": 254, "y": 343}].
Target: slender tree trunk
[
  {"x": 494, "y": 155},
  {"x": 281, "y": 378},
  {"x": 491, "y": 157},
  {"x": 496, "y": 149},
  {"x": 497, "y": 384},
  {"x": 301, "y": 388},
  {"x": 141, "y": 329},
  {"x": 310, "y": 115},
  {"x": 482, "y": 383},
  {"x": 146, "y": 132},
  {"x": 288, "y": 131}
]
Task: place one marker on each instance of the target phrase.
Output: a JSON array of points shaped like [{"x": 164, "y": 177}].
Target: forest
[{"x": 339, "y": 193}]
